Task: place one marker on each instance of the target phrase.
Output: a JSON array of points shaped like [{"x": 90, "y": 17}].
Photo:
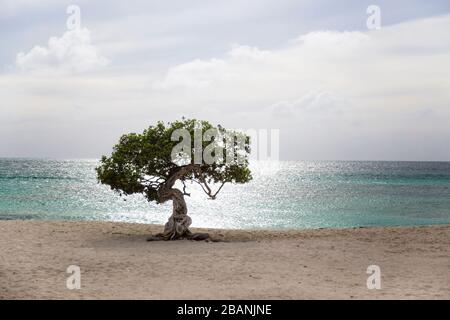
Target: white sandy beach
[{"x": 116, "y": 261}]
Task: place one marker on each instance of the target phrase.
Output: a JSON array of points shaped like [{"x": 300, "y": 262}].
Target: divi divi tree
[{"x": 161, "y": 161}]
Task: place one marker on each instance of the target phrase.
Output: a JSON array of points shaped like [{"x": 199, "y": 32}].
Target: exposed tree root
[{"x": 186, "y": 236}]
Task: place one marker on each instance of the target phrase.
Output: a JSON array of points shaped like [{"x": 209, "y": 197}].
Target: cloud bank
[{"x": 73, "y": 52}]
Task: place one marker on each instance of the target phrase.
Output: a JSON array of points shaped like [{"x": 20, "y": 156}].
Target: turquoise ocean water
[{"x": 282, "y": 195}]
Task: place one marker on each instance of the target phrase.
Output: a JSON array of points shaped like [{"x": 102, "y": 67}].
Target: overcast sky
[{"x": 336, "y": 90}]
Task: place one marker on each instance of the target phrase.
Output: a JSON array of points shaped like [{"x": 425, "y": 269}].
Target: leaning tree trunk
[{"x": 177, "y": 227}]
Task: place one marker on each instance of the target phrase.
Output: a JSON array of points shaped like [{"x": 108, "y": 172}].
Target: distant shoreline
[{"x": 116, "y": 261}]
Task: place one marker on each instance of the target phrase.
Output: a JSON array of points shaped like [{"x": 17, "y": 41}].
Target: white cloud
[
  {"x": 195, "y": 74},
  {"x": 300, "y": 62},
  {"x": 247, "y": 52},
  {"x": 311, "y": 102},
  {"x": 199, "y": 74},
  {"x": 340, "y": 44},
  {"x": 73, "y": 52}
]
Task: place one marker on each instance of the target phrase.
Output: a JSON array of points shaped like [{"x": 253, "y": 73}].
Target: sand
[{"x": 116, "y": 261}]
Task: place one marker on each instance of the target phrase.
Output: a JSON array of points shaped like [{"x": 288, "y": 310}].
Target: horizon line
[{"x": 252, "y": 160}]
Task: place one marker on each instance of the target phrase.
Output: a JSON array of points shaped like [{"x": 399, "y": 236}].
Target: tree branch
[
  {"x": 184, "y": 189},
  {"x": 218, "y": 190},
  {"x": 201, "y": 185}
]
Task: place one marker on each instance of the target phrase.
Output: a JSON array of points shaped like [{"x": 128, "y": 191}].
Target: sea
[{"x": 282, "y": 195}]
